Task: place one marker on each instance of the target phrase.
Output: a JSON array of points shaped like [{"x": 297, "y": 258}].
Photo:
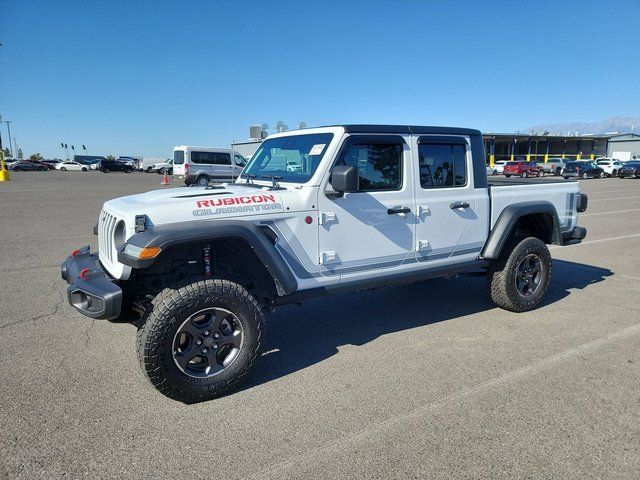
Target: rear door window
[
  {"x": 178, "y": 157},
  {"x": 442, "y": 165}
]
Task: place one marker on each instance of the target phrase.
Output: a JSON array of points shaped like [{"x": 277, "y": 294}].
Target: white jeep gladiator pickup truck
[{"x": 316, "y": 212}]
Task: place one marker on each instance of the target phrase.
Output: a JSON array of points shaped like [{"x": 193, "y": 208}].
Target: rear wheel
[
  {"x": 149, "y": 170},
  {"x": 16, "y": 169},
  {"x": 584, "y": 176},
  {"x": 198, "y": 341},
  {"x": 41, "y": 169},
  {"x": 63, "y": 169},
  {"x": 540, "y": 173},
  {"x": 507, "y": 175},
  {"x": 601, "y": 175},
  {"x": 202, "y": 180},
  {"x": 525, "y": 174},
  {"x": 520, "y": 277},
  {"x": 105, "y": 170},
  {"x": 614, "y": 173},
  {"x": 84, "y": 169}
]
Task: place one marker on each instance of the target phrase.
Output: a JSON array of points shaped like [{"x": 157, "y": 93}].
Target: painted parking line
[
  {"x": 607, "y": 213},
  {"x": 600, "y": 240},
  {"x": 614, "y": 198}
]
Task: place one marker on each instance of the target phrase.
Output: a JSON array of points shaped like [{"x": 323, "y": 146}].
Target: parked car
[
  {"x": 610, "y": 166},
  {"x": 630, "y": 169},
  {"x": 147, "y": 163},
  {"x": 553, "y": 166},
  {"x": 8, "y": 161},
  {"x": 583, "y": 169},
  {"x": 72, "y": 166},
  {"x": 106, "y": 166},
  {"x": 163, "y": 167},
  {"x": 199, "y": 165},
  {"x": 522, "y": 169},
  {"x": 24, "y": 165},
  {"x": 491, "y": 170},
  {"x": 498, "y": 165},
  {"x": 45, "y": 165},
  {"x": 204, "y": 286}
]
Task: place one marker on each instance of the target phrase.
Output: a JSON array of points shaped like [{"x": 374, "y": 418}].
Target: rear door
[
  {"x": 449, "y": 223},
  {"x": 178, "y": 162}
]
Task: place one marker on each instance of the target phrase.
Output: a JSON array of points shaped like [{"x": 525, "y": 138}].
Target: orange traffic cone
[{"x": 165, "y": 179}]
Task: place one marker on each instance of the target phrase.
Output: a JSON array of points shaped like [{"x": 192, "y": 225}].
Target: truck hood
[{"x": 201, "y": 203}]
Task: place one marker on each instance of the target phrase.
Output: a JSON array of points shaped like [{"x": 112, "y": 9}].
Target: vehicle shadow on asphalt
[{"x": 301, "y": 336}]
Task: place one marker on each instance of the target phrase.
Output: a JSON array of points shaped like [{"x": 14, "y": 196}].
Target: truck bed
[{"x": 561, "y": 193}]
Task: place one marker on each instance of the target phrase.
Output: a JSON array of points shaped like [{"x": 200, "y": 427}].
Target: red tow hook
[
  {"x": 75, "y": 252},
  {"x": 84, "y": 272}
]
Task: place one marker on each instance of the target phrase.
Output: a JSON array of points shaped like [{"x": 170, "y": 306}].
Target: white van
[{"x": 199, "y": 165}]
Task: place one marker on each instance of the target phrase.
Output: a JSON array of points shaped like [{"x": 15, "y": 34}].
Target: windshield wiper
[
  {"x": 250, "y": 177},
  {"x": 274, "y": 181}
]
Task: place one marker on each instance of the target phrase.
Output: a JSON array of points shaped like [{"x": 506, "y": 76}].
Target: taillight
[{"x": 186, "y": 168}]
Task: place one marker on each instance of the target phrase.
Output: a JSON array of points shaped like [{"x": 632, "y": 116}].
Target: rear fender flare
[{"x": 507, "y": 221}]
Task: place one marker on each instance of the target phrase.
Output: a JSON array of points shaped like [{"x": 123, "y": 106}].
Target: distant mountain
[{"x": 613, "y": 124}]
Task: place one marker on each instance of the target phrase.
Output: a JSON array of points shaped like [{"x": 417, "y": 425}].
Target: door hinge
[
  {"x": 423, "y": 210},
  {"x": 326, "y": 217},
  {"x": 422, "y": 245},
  {"x": 327, "y": 257}
]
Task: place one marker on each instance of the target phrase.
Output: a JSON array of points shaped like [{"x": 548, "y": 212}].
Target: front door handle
[
  {"x": 455, "y": 205},
  {"x": 401, "y": 210}
]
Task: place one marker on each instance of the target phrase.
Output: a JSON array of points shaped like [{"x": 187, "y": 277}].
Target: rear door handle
[
  {"x": 401, "y": 210},
  {"x": 455, "y": 205}
]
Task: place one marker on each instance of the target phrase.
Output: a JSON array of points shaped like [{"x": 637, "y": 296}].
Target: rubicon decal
[
  {"x": 236, "y": 201},
  {"x": 231, "y": 205}
]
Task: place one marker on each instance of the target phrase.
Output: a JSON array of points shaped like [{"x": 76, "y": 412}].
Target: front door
[
  {"x": 372, "y": 228},
  {"x": 448, "y": 221}
]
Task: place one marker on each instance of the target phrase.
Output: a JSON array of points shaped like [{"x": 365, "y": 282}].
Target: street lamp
[{"x": 8, "y": 122}]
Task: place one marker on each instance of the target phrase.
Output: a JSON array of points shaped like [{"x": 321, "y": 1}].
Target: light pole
[{"x": 8, "y": 122}]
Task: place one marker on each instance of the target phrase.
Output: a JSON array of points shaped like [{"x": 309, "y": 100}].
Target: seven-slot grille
[{"x": 106, "y": 228}]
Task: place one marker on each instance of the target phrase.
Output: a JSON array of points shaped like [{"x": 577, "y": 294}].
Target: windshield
[{"x": 294, "y": 158}]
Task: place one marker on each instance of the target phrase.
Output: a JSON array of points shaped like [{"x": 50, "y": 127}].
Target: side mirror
[{"x": 344, "y": 179}]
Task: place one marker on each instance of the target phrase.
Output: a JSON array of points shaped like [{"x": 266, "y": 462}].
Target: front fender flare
[{"x": 164, "y": 236}]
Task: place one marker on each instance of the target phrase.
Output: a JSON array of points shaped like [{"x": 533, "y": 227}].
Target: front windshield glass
[{"x": 294, "y": 158}]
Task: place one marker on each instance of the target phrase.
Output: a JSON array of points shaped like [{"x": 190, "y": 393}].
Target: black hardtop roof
[{"x": 408, "y": 129}]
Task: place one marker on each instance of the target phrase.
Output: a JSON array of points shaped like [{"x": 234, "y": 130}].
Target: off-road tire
[
  {"x": 502, "y": 274},
  {"x": 167, "y": 312}
]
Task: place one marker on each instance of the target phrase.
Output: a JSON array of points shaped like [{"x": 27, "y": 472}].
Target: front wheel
[
  {"x": 584, "y": 176},
  {"x": 16, "y": 169},
  {"x": 540, "y": 173},
  {"x": 520, "y": 277},
  {"x": 84, "y": 169},
  {"x": 63, "y": 169},
  {"x": 566, "y": 177},
  {"x": 507, "y": 175},
  {"x": 525, "y": 174},
  {"x": 199, "y": 341},
  {"x": 601, "y": 175},
  {"x": 614, "y": 173}
]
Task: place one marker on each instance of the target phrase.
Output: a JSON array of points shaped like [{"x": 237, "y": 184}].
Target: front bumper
[
  {"x": 91, "y": 291},
  {"x": 571, "y": 174}
]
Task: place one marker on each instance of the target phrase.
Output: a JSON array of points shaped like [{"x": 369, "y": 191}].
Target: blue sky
[{"x": 138, "y": 77}]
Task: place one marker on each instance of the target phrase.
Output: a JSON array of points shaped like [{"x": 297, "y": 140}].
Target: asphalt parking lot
[{"x": 427, "y": 380}]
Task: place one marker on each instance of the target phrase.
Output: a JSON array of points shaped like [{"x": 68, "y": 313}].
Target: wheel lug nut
[
  {"x": 215, "y": 346},
  {"x": 198, "y": 342},
  {"x": 216, "y": 335},
  {"x": 204, "y": 350},
  {"x": 206, "y": 332}
]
